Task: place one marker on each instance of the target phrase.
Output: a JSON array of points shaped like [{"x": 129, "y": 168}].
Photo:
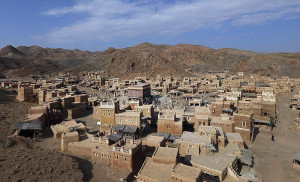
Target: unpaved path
[{"x": 273, "y": 160}]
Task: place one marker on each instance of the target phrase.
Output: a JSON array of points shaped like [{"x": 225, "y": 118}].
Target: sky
[{"x": 95, "y": 25}]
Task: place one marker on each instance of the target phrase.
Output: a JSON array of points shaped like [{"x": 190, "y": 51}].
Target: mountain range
[{"x": 146, "y": 60}]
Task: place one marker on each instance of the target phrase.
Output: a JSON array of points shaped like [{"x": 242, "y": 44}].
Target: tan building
[
  {"x": 168, "y": 123},
  {"x": 224, "y": 122},
  {"x": 25, "y": 94},
  {"x": 147, "y": 111},
  {"x": 217, "y": 108},
  {"x": 193, "y": 143},
  {"x": 216, "y": 133},
  {"x": 200, "y": 120},
  {"x": 159, "y": 167},
  {"x": 142, "y": 92},
  {"x": 65, "y": 127},
  {"x": 235, "y": 138},
  {"x": 216, "y": 166},
  {"x": 244, "y": 125},
  {"x": 184, "y": 173},
  {"x": 129, "y": 118},
  {"x": 151, "y": 142},
  {"x": 106, "y": 114},
  {"x": 127, "y": 154}
]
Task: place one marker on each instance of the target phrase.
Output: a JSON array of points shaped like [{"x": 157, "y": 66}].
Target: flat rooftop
[
  {"x": 129, "y": 113},
  {"x": 234, "y": 137},
  {"x": 195, "y": 138},
  {"x": 207, "y": 128},
  {"x": 154, "y": 139},
  {"x": 65, "y": 125},
  {"x": 221, "y": 120},
  {"x": 231, "y": 148},
  {"x": 166, "y": 152},
  {"x": 187, "y": 171},
  {"x": 156, "y": 171},
  {"x": 217, "y": 162},
  {"x": 204, "y": 117}
]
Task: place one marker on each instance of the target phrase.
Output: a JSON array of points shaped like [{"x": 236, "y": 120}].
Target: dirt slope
[{"x": 20, "y": 158}]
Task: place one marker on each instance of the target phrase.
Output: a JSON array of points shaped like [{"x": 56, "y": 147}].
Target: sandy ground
[
  {"x": 273, "y": 160},
  {"x": 11, "y": 111},
  {"x": 21, "y": 159}
]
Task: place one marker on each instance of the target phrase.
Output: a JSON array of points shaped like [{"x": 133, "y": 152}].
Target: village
[{"x": 204, "y": 128}]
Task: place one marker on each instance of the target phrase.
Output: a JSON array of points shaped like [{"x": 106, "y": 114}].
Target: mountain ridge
[{"x": 148, "y": 60}]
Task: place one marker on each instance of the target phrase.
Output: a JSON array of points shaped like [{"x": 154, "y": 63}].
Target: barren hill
[
  {"x": 148, "y": 59},
  {"x": 10, "y": 51}
]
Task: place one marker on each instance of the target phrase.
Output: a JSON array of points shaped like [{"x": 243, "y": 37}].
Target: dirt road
[{"x": 273, "y": 160}]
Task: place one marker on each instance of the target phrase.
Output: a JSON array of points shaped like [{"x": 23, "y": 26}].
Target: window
[
  {"x": 109, "y": 114},
  {"x": 125, "y": 159},
  {"x": 109, "y": 126},
  {"x": 190, "y": 146},
  {"x": 104, "y": 114},
  {"x": 244, "y": 124},
  {"x": 102, "y": 155},
  {"x": 120, "y": 121},
  {"x": 117, "y": 157},
  {"x": 168, "y": 126}
]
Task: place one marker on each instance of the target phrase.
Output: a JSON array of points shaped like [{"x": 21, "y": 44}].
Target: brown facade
[
  {"x": 268, "y": 109},
  {"x": 170, "y": 125},
  {"x": 101, "y": 153},
  {"x": 244, "y": 125},
  {"x": 107, "y": 118},
  {"x": 139, "y": 92},
  {"x": 216, "y": 109},
  {"x": 25, "y": 94},
  {"x": 127, "y": 154},
  {"x": 227, "y": 125}
]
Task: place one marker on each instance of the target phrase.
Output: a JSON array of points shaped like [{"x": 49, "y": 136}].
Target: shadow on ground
[
  {"x": 86, "y": 168},
  {"x": 255, "y": 133}
]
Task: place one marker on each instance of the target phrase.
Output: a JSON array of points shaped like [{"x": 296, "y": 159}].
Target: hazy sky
[{"x": 258, "y": 25}]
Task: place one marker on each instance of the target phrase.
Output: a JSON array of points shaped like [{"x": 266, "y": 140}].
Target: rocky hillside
[{"x": 147, "y": 59}]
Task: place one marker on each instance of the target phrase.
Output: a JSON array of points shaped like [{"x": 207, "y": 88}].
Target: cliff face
[{"x": 147, "y": 59}]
